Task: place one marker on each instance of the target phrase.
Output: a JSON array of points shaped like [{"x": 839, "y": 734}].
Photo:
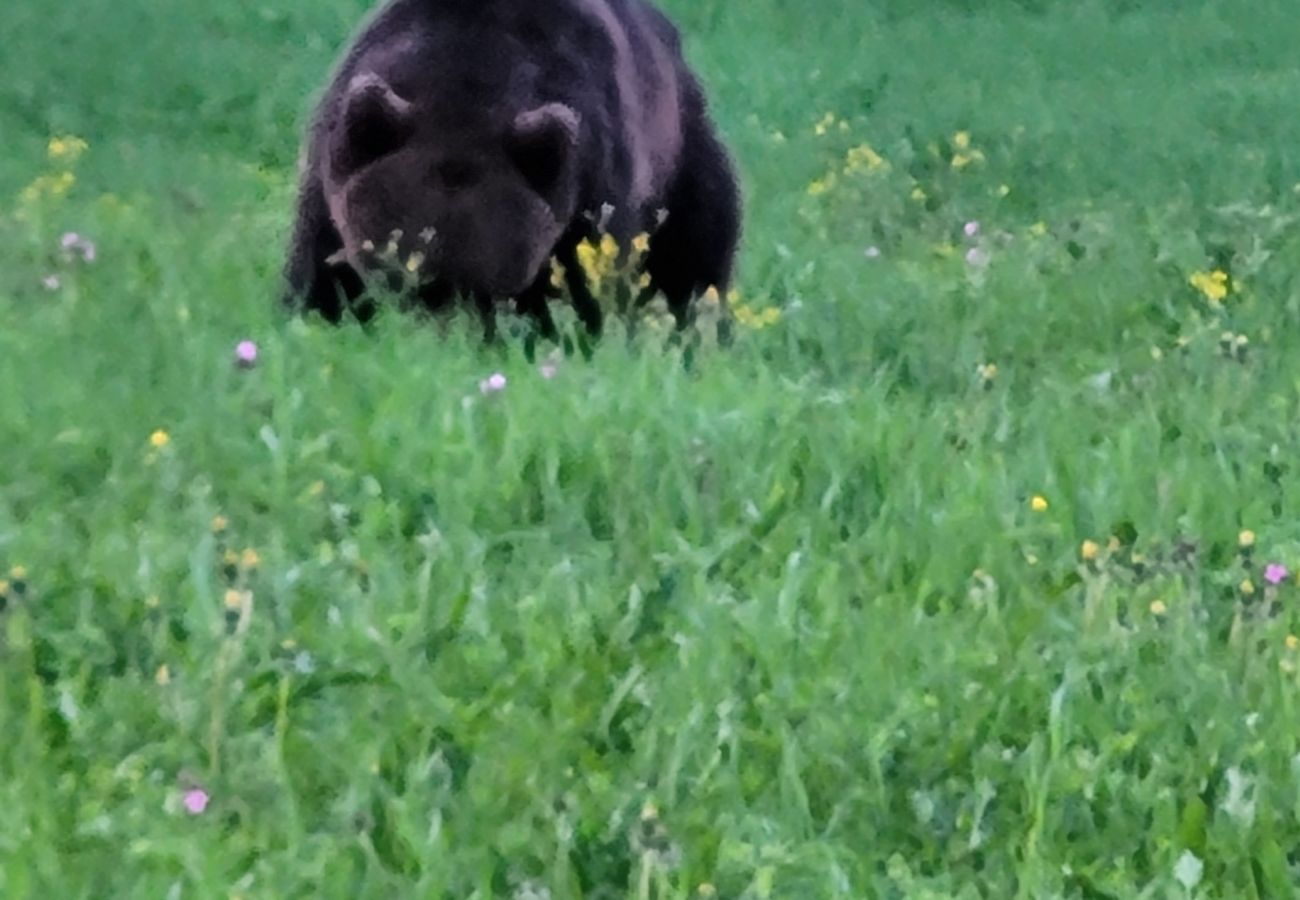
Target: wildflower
[
  {"x": 219, "y": 524},
  {"x": 1088, "y": 550},
  {"x": 821, "y": 185},
  {"x": 641, "y": 243},
  {"x": 493, "y": 384},
  {"x": 66, "y": 149},
  {"x": 1292, "y": 642},
  {"x": 961, "y": 140},
  {"x": 1246, "y": 539},
  {"x": 18, "y": 573},
  {"x": 1158, "y": 608},
  {"x": 608, "y": 248},
  {"x": 557, "y": 274},
  {"x": 1214, "y": 285},
  {"x": 163, "y": 676},
  {"x": 196, "y": 801},
  {"x": 234, "y": 600},
  {"x": 1275, "y": 573},
  {"x": 250, "y": 559},
  {"x": 51, "y": 282},
  {"x": 1038, "y": 229},
  {"x": 47, "y": 186},
  {"x": 962, "y": 160},
  {"x": 987, "y": 372},
  {"x": 863, "y": 158},
  {"x": 159, "y": 439},
  {"x": 1004, "y": 190},
  {"x": 246, "y": 354},
  {"x": 825, "y": 125},
  {"x": 1247, "y": 587},
  {"x": 971, "y": 229},
  {"x": 872, "y": 252},
  {"x": 978, "y": 257},
  {"x": 1038, "y": 503},
  {"x": 72, "y": 242},
  {"x": 711, "y": 297},
  {"x": 918, "y": 194}
]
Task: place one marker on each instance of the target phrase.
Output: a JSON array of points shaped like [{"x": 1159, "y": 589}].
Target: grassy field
[{"x": 968, "y": 571}]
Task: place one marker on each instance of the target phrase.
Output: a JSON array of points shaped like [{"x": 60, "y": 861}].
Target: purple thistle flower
[
  {"x": 972, "y": 229},
  {"x": 1275, "y": 573},
  {"x": 75, "y": 243},
  {"x": 493, "y": 384}
]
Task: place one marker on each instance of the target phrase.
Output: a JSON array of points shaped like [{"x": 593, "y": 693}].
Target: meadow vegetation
[{"x": 968, "y": 570}]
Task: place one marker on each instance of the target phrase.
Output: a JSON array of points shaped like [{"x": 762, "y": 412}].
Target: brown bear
[{"x": 463, "y": 144}]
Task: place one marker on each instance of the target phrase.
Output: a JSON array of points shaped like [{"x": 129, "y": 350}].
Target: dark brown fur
[{"x": 463, "y": 143}]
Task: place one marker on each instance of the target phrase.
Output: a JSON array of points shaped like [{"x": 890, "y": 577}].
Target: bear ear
[
  {"x": 373, "y": 123},
  {"x": 542, "y": 142}
]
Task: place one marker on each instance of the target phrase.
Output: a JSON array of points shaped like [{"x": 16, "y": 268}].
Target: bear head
[{"x": 475, "y": 204}]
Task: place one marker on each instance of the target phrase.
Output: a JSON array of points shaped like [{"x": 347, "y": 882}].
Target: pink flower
[
  {"x": 1275, "y": 573},
  {"x": 51, "y": 282},
  {"x": 75, "y": 243},
  {"x": 196, "y": 801},
  {"x": 246, "y": 354},
  {"x": 977, "y": 258},
  {"x": 872, "y": 252},
  {"x": 493, "y": 384},
  {"x": 972, "y": 228}
]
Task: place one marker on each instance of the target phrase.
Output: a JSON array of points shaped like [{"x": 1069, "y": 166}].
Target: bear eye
[{"x": 456, "y": 174}]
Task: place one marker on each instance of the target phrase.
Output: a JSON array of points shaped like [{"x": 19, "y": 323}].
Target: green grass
[{"x": 781, "y": 622}]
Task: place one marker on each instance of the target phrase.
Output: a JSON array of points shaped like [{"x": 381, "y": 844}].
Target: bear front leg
[
  {"x": 532, "y": 303},
  {"x": 695, "y": 248},
  {"x": 313, "y": 282}
]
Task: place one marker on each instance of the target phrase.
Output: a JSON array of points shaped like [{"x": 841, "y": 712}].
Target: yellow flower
[
  {"x": 987, "y": 371},
  {"x": 1004, "y": 190},
  {"x": 1246, "y": 539},
  {"x": 863, "y": 158},
  {"x": 250, "y": 559},
  {"x": 608, "y": 248},
  {"x": 1247, "y": 587},
  {"x": 18, "y": 573},
  {"x": 918, "y": 194},
  {"x": 641, "y": 243},
  {"x": 962, "y": 160},
  {"x": 219, "y": 524},
  {"x": 163, "y": 676},
  {"x": 825, "y": 125},
  {"x": 52, "y": 186},
  {"x": 159, "y": 439},
  {"x": 1214, "y": 285},
  {"x": 707, "y": 890},
  {"x": 1038, "y": 503},
  {"x": 1292, "y": 642},
  {"x": 557, "y": 273},
  {"x": 1089, "y": 550},
  {"x": 234, "y": 600},
  {"x": 4, "y": 588},
  {"x": 230, "y": 558},
  {"x": 1158, "y": 608},
  {"x": 711, "y": 297},
  {"x": 1038, "y": 229},
  {"x": 821, "y": 185},
  {"x": 644, "y": 281},
  {"x": 66, "y": 149},
  {"x": 589, "y": 259},
  {"x": 961, "y": 140}
]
